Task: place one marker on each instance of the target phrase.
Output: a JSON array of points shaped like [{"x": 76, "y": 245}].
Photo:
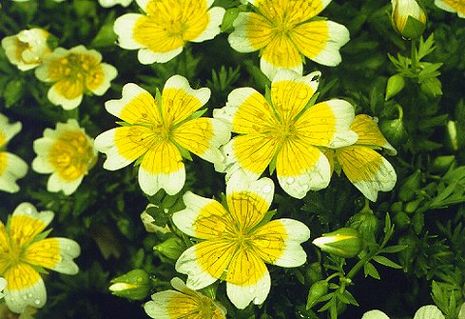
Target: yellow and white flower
[
  {"x": 236, "y": 242},
  {"x": 285, "y": 33},
  {"x": 364, "y": 167},
  {"x": 283, "y": 132},
  {"x": 111, "y": 3},
  {"x": 161, "y": 33},
  {"x": 457, "y": 6},
  {"x": 24, "y": 252},
  {"x": 11, "y": 166},
  {"x": 75, "y": 72},
  {"x": 27, "y": 49},
  {"x": 156, "y": 131},
  {"x": 66, "y": 153},
  {"x": 183, "y": 303}
]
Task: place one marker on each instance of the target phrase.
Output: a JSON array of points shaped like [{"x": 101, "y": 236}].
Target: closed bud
[
  {"x": 134, "y": 285},
  {"x": 451, "y": 136},
  {"x": 442, "y": 163},
  {"x": 408, "y": 18},
  {"x": 171, "y": 248},
  {"x": 366, "y": 223},
  {"x": 394, "y": 130},
  {"x": 344, "y": 242},
  {"x": 395, "y": 84},
  {"x": 317, "y": 290}
]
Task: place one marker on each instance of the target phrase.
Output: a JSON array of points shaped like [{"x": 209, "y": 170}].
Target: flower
[
  {"x": 134, "y": 285},
  {"x": 67, "y": 153},
  {"x": 457, "y": 6},
  {"x": 75, "y": 72},
  {"x": 2, "y": 287},
  {"x": 24, "y": 251},
  {"x": 282, "y": 131},
  {"x": 11, "y": 166},
  {"x": 364, "y": 167},
  {"x": 408, "y": 18},
  {"x": 27, "y": 49},
  {"x": 161, "y": 33},
  {"x": 425, "y": 312},
  {"x": 111, "y": 3},
  {"x": 285, "y": 33},
  {"x": 183, "y": 303},
  {"x": 236, "y": 241},
  {"x": 156, "y": 132}
]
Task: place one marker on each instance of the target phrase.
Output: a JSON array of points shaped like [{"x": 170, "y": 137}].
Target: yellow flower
[
  {"x": 167, "y": 25},
  {"x": 11, "y": 166},
  {"x": 363, "y": 166},
  {"x": 183, "y": 303},
  {"x": 457, "y": 6},
  {"x": 157, "y": 131},
  {"x": 75, "y": 72},
  {"x": 236, "y": 242},
  {"x": 67, "y": 153},
  {"x": 24, "y": 252},
  {"x": 27, "y": 49},
  {"x": 285, "y": 32},
  {"x": 283, "y": 131}
]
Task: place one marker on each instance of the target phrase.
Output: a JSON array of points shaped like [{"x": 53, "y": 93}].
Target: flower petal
[
  {"x": 162, "y": 167},
  {"x": 320, "y": 41},
  {"x": 11, "y": 168},
  {"x": 291, "y": 92},
  {"x": 100, "y": 82},
  {"x": 367, "y": 170},
  {"x": 248, "y": 200},
  {"x": 327, "y": 124},
  {"x": 301, "y": 167},
  {"x": 242, "y": 295},
  {"x": 171, "y": 304},
  {"x": 278, "y": 242},
  {"x": 66, "y": 93},
  {"x": 54, "y": 253},
  {"x": 7, "y": 130},
  {"x": 215, "y": 17},
  {"x": 179, "y": 100},
  {"x": 24, "y": 288},
  {"x": 294, "y": 11},
  {"x": 26, "y": 223},
  {"x": 251, "y": 32},
  {"x": 123, "y": 145},
  {"x": 205, "y": 262},
  {"x": 280, "y": 53},
  {"x": 136, "y": 106},
  {"x": 124, "y": 28},
  {"x": 202, "y": 218},
  {"x": 369, "y": 134},
  {"x": 57, "y": 183},
  {"x": 203, "y": 137}
]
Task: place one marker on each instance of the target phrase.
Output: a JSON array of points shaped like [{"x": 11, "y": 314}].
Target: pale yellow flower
[
  {"x": 75, "y": 72},
  {"x": 364, "y": 167},
  {"x": 457, "y": 6},
  {"x": 285, "y": 32},
  {"x": 162, "y": 32},
  {"x": 183, "y": 303},
  {"x": 236, "y": 242},
  {"x": 158, "y": 132},
  {"x": 111, "y": 3},
  {"x": 24, "y": 250},
  {"x": 67, "y": 153},
  {"x": 11, "y": 166},
  {"x": 27, "y": 49}
]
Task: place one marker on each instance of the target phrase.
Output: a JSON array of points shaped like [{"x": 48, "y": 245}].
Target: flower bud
[
  {"x": 366, "y": 223},
  {"x": 408, "y": 18},
  {"x": 394, "y": 130},
  {"x": 317, "y": 290},
  {"x": 171, "y": 248},
  {"x": 344, "y": 242},
  {"x": 134, "y": 285},
  {"x": 395, "y": 84}
]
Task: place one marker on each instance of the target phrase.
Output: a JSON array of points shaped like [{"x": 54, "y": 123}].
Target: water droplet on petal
[
  {"x": 37, "y": 302},
  {"x": 267, "y": 189},
  {"x": 290, "y": 180}
]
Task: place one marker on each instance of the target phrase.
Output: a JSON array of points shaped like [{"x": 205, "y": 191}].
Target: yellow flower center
[{"x": 72, "y": 155}]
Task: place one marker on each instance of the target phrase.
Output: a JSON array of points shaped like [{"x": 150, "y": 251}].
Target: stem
[
  {"x": 413, "y": 55},
  {"x": 401, "y": 111}
]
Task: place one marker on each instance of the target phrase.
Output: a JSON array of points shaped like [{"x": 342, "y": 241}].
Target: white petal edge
[
  {"x": 109, "y": 73},
  {"x": 271, "y": 70},
  {"x": 35, "y": 296},
  {"x": 264, "y": 187},
  {"x": 215, "y": 15},
  {"x": 241, "y": 296},
  {"x": 338, "y": 36},
  {"x": 181, "y": 83},
  {"x": 105, "y": 143},
  {"x": 172, "y": 183},
  {"x": 293, "y": 254},
  {"x": 57, "y": 99},
  {"x": 344, "y": 114},
  {"x": 187, "y": 264}
]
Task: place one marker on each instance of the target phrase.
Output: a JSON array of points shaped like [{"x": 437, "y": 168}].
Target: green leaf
[
  {"x": 386, "y": 262},
  {"x": 370, "y": 270},
  {"x": 13, "y": 92}
]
